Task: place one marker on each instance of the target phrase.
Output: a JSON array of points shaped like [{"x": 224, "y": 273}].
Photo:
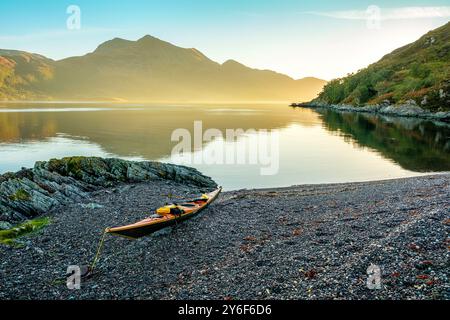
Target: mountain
[
  {"x": 148, "y": 69},
  {"x": 419, "y": 71}
]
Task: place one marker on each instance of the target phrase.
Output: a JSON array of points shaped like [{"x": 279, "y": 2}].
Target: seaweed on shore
[{"x": 10, "y": 236}]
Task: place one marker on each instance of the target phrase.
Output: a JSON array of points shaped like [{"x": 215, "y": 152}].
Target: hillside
[
  {"x": 148, "y": 69},
  {"x": 22, "y": 75},
  {"x": 419, "y": 71}
]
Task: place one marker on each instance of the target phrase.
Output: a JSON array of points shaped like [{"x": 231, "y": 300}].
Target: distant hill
[
  {"x": 148, "y": 69},
  {"x": 419, "y": 71}
]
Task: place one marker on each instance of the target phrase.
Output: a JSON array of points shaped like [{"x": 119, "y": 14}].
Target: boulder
[{"x": 407, "y": 110}]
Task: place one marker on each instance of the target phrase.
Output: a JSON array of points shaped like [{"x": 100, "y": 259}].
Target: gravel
[{"x": 301, "y": 242}]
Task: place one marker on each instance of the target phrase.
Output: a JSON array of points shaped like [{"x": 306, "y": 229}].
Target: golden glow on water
[{"x": 315, "y": 147}]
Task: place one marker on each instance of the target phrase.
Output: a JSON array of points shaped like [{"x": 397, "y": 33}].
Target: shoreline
[
  {"x": 299, "y": 242},
  {"x": 156, "y": 102},
  {"x": 410, "y": 110}
]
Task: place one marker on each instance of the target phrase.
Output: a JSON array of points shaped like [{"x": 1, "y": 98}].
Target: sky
[{"x": 321, "y": 38}]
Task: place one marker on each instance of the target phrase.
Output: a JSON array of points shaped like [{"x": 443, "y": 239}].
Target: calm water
[{"x": 314, "y": 147}]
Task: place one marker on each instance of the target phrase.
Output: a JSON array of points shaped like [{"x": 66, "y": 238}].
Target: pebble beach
[{"x": 301, "y": 242}]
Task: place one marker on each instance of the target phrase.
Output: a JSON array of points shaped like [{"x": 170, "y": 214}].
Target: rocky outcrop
[
  {"x": 408, "y": 109},
  {"x": 31, "y": 192}
]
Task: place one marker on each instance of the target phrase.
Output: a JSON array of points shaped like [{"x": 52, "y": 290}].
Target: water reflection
[
  {"x": 315, "y": 146},
  {"x": 144, "y": 132},
  {"x": 414, "y": 144}
]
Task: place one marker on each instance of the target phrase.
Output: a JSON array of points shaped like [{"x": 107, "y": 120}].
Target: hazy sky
[{"x": 321, "y": 38}]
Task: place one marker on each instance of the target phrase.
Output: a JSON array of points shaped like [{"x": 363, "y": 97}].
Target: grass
[
  {"x": 10, "y": 236},
  {"x": 71, "y": 166},
  {"x": 20, "y": 195},
  {"x": 74, "y": 165}
]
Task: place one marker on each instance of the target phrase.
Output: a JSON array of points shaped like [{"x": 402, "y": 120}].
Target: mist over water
[{"x": 314, "y": 146}]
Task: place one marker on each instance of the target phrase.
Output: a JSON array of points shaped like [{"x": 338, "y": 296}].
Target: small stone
[{"x": 91, "y": 205}]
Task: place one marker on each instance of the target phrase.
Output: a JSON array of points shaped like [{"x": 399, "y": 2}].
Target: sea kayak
[{"x": 166, "y": 216}]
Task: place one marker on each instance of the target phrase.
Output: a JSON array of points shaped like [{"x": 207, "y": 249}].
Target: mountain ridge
[{"x": 148, "y": 69}]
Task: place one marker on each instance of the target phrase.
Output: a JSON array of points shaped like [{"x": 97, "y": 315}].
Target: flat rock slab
[{"x": 32, "y": 192}]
